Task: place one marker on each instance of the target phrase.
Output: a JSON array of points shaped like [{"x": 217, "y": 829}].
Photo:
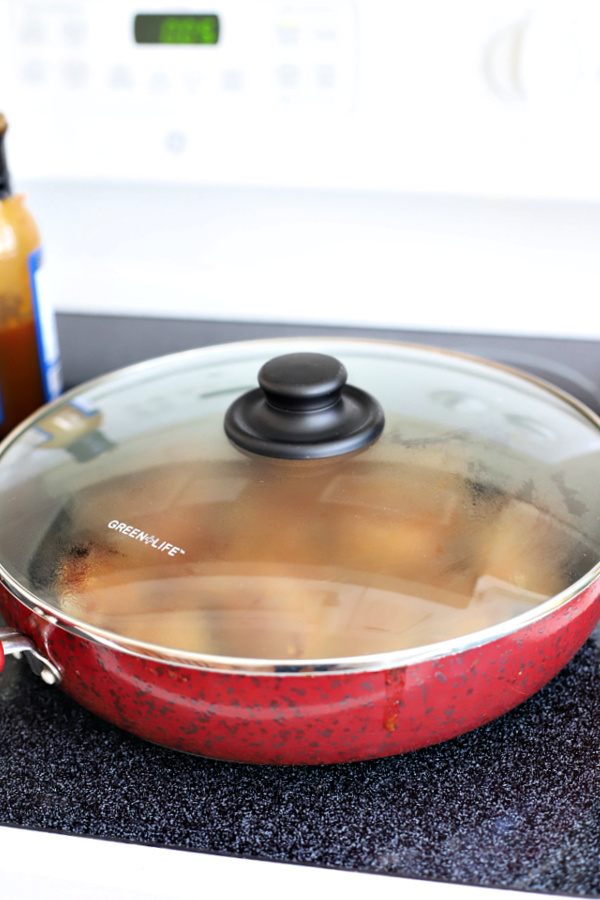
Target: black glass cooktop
[{"x": 515, "y": 804}]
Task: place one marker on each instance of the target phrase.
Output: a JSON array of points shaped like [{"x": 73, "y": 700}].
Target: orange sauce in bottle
[{"x": 23, "y": 387}]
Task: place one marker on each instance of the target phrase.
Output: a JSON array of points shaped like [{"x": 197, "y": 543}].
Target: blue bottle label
[{"x": 47, "y": 337}]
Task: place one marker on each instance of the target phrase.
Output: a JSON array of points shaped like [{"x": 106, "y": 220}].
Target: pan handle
[{"x": 12, "y": 642}]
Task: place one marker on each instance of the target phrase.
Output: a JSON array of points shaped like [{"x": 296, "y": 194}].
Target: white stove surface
[{"x": 37, "y": 864}]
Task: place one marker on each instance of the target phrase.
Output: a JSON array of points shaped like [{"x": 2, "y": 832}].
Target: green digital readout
[{"x": 180, "y": 28}]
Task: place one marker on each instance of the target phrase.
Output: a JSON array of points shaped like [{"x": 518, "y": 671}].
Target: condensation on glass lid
[
  {"x": 305, "y": 568},
  {"x": 283, "y": 618}
]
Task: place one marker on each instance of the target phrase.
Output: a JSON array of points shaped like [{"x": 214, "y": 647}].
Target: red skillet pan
[{"x": 304, "y": 571}]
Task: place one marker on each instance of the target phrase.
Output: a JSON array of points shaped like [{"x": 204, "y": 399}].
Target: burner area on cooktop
[{"x": 515, "y": 804}]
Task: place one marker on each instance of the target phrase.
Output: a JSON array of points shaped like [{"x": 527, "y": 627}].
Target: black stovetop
[{"x": 514, "y": 804}]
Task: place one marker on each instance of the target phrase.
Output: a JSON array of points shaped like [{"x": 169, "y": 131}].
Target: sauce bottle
[{"x": 29, "y": 358}]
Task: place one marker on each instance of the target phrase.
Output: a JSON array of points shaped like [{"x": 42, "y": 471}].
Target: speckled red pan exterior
[{"x": 310, "y": 718}]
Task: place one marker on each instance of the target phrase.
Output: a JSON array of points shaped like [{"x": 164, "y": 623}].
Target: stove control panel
[
  {"x": 479, "y": 97},
  {"x": 116, "y": 58}
]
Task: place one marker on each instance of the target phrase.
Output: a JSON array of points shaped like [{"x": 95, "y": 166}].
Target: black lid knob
[{"x": 304, "y": 409}]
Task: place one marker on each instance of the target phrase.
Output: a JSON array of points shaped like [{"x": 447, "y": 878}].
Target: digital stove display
[{"x": 181, "y": 28}]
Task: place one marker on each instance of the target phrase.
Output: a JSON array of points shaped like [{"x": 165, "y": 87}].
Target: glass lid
[{"x": 153, "y": 508}]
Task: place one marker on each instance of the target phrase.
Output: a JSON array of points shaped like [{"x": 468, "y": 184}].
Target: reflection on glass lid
[{"x": 126, "y": 508}]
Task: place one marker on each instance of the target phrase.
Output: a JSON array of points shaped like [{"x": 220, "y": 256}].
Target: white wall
[{"x": 380, "y": 259}]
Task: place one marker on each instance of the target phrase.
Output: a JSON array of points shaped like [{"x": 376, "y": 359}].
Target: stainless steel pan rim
[{"x": 285, "y": 667}]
